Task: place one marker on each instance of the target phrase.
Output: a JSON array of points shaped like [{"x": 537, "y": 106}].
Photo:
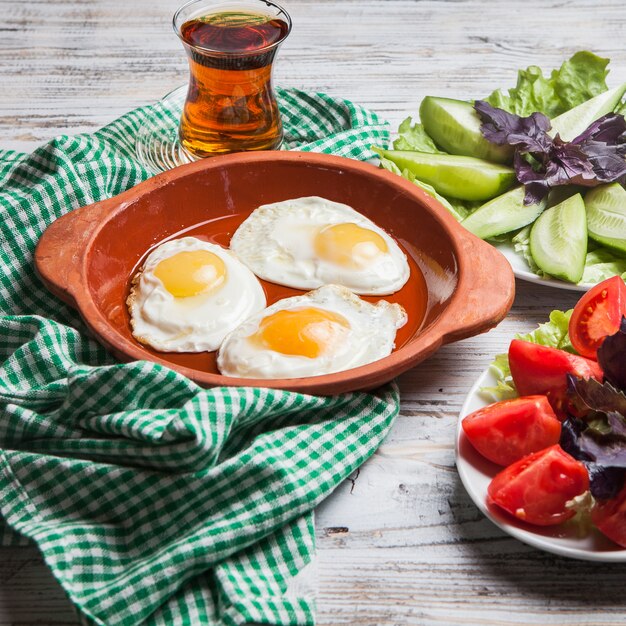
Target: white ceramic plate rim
[
  {"x": 522, "y": 270},
  {"x": 476, "y": 472}
]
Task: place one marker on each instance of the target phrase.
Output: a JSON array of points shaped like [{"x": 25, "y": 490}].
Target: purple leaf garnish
[
  {"x": 612, "y": 357},
  {"x": 608, "y": 129},
  {"x": 591, "y": 395},
  {"x": 596, "y": 156},
  {"x": 501, "y": 127},
  {"x": 596, "y": 434}
]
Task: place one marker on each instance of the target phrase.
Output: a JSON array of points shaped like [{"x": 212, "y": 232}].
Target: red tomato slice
[
  {"x": 536, "y": 488},
  {"x": 506, "y": 431},
  {"x": 610, "y": 518},
  {"x": 541, "y": 370},
  {"x": 598, "y": 314}
]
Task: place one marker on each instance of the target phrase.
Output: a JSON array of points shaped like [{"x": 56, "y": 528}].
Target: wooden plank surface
[{"x": 400, "y": 543}]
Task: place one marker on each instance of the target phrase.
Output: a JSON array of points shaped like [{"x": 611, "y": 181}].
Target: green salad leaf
[
  {"x": 521, "y": 244},
  {"x": 553, "y": 334},
  {"x": 578, "y": 79},
  {"x": 533, "y": 92},
  {"x": 414, "y": 137},
  {"x": 602, "y": 264}
]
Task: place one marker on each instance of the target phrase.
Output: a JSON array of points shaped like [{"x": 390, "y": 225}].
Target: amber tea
[{"x": 230, "y": 103}]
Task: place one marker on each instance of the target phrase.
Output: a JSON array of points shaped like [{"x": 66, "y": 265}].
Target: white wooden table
[{"x": 401, "y": 542}]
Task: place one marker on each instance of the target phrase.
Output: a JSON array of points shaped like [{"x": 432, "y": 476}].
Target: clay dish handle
[
  {"x": 60, "y": 252},
  {"x": 487, "y": 290}
]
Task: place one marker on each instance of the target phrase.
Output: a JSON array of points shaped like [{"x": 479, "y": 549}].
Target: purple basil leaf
[
  {"x": 608, "y": 161},
  {"x": 563, "y": 164},
  {"x": 501, "y": 127},
  {"x": 612, "y": 357},
  {"x": 605, "y": 482},
  {"x": 597, "y": 437},
  {"x": 597, "y": 155},
  {"x": 535, "y": 193},
  {"x": 609, "y": 165},
  {"x": 617, "y": 423},
  {"x": 609, "y": 129},
  {"x": 606, "y": 451},
  {"x": 591, "y": 395},
  {"x": 604, "y": 143},
  {"x": 571, "y": 430},
  {"x": 568, "y": 164},
  {"x": 534, "y": 182}
]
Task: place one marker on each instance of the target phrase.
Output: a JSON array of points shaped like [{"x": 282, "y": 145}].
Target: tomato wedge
[
  {"x": 610, "y": 518},
  {"x": 597, "y": 315},
  {"x": 506, "y": 431},
  {"x": 536, "y": 488},
  {"x": 541, "y": 370}
]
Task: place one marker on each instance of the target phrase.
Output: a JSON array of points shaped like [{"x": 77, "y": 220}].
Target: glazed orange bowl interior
[{"x": 458, "y": 286}]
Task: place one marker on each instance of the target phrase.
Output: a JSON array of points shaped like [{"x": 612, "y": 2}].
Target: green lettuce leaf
[
  {"x": 521, "y": 244},
  {"x": 533, "y": 92},
  {"x": 414, "y": 137},
  {"x": 578, "y": 79},
  {"x": 553, "y": 334},
  {"x": 601, "y": 264}
]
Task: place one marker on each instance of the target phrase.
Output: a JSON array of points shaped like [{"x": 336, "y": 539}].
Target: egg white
[
  {"x": 195, "y": 323},
  {"x": 277, "y": 243},
  {"x": 371, "y": 337}
]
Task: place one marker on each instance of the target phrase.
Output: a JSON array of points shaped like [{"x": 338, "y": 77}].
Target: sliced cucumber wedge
[
  {"x": 502, "y": 215},
  {"x": 455, "y": 126},
  {"x": 606, "y": 216},
  {"x": 571, "y": 123},
  {"x": 460, "y": 177},
  {"x": 558, "y": 240}
]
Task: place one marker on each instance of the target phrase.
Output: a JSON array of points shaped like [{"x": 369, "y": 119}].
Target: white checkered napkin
[{"x": 154, "y": 501}]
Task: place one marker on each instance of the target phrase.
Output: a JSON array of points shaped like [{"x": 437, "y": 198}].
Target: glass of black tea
[{"x": 230, "y": 105}]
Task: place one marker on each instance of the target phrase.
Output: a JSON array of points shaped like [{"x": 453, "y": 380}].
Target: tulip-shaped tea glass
[{"x": 231, "y": 46}]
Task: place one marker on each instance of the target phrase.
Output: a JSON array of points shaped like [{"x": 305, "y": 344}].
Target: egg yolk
[
  {"x": 349, "y": 245},
  {"x": 307, "y": 332},
  {"x": 191, "y": 273}
]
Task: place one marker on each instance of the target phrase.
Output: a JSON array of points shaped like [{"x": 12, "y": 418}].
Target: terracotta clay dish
[{"x": 459, "y": 285}]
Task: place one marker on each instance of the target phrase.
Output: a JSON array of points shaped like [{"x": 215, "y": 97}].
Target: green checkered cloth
[{"x": 152, "y": 500}]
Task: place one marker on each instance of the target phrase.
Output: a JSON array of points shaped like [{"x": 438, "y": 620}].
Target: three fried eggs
[{"x": 194, "y": 296}]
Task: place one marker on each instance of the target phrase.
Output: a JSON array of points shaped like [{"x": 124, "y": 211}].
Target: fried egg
[
  {"x": 309, "y": 242},
  {"x": 327, "y": 330},
  {"x": 190, "y": 294}
]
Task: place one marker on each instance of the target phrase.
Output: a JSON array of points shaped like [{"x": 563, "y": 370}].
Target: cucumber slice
[
  {"x": 606, "y": 216},
  {"x": 503, "y": 214},
  {"x": 455, "y": 126},
  {"x": 460, "y": 177},
  {"x": 558, "y": 240},
  {"x": 573, "y": 122}
]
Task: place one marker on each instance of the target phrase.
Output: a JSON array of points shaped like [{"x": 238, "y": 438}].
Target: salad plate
[{"x": 567, "y": 539}]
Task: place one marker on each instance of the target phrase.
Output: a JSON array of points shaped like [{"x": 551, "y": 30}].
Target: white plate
[
  {"x": 476, "y": 473},
  {"x": 522, "y": 271}
]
